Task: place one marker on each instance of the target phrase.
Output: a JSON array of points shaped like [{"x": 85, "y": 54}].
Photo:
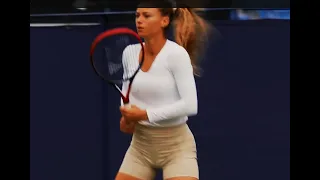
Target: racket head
[{"x": 117, "y": 55}]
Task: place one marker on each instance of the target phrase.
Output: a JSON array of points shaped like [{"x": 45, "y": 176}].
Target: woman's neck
[{"x": 154, "y": 45}]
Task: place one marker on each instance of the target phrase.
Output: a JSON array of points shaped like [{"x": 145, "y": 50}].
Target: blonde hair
[{"x": 191, "y": 32}]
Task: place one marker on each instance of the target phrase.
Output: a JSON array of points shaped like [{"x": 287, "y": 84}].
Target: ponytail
[{"x": 191, "y": 31}]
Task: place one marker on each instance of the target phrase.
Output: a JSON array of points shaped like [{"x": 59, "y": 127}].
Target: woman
[{"x": 163, "y": 95}]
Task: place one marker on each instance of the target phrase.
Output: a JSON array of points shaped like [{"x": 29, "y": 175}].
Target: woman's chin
[{"x": 141, "y": 34}]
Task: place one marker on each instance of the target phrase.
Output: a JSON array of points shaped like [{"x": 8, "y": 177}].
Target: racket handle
[{"x": 127, "y": 106}]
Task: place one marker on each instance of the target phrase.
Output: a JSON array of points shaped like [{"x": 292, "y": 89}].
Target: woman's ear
[{"x": 165, "y": 22}]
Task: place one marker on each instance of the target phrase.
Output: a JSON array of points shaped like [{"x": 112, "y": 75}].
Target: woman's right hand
[{"x": 126, "y": 127}]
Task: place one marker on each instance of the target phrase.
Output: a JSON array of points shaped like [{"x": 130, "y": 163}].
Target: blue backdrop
[{"x": 242, "y": 129}]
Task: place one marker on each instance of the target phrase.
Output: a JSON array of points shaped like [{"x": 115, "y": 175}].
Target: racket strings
[
  {"x": 115, "y": 63},
  {"x": 120, "y": 58},
  {"x": 131, "y": 61},
  {"x": 114, "y": 55}
]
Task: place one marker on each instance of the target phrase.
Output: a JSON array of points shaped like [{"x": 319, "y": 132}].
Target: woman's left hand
[{"x": 133, "y": 113}]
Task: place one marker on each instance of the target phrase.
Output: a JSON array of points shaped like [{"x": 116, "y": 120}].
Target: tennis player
[{"x": 163, "y": 95}]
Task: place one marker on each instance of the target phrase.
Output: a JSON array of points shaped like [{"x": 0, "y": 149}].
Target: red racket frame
[{"x": 112, "y": 32}]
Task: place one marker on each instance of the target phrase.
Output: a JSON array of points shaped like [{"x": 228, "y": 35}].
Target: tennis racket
[{"x": 116, "y": 56}]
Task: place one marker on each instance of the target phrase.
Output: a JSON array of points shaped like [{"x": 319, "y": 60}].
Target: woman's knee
[
  {"x": 123, "y": 176},
  {"x": 183, "y": 178}
]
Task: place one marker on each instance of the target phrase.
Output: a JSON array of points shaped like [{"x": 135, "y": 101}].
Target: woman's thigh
[
  {"x": 182, "y": 162},
  {"x": 135, "y": 167},
  {"x": 183, "y": 168}
]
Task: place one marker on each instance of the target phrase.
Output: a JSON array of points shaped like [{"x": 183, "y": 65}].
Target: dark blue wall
[{"x": 242, "y": 129}]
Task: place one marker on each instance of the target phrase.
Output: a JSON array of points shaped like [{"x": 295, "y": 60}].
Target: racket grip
[{"x": 127, "y": 105}]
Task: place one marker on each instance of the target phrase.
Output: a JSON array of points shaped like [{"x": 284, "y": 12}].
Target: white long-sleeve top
[{"x": 167, "y": 90}]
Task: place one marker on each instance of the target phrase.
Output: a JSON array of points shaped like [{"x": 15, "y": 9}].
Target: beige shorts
[{"x": 171, "y": 149}]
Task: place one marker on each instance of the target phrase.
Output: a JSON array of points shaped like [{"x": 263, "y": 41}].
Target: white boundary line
[{"x": 62, "y": 24}]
